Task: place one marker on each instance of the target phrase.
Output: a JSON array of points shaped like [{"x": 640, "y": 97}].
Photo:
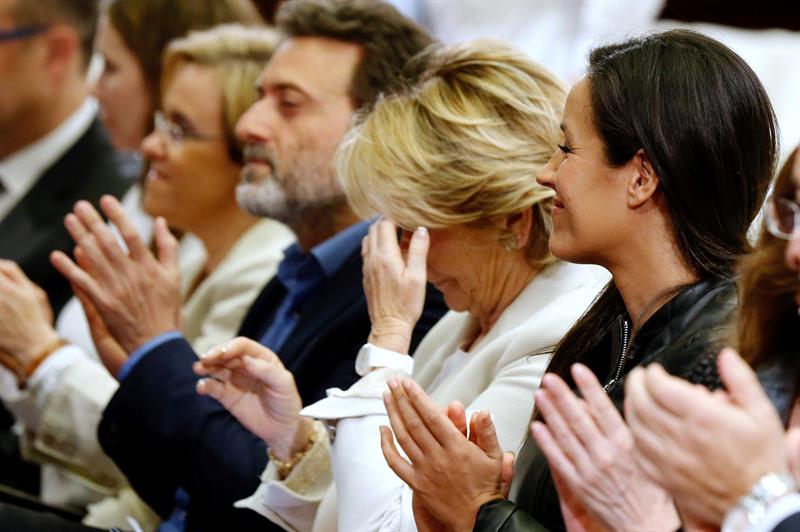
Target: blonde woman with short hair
[{"x": 451, "y": 164}]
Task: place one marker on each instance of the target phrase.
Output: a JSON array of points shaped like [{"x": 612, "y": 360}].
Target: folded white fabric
[{"x": 377, "y": 366}]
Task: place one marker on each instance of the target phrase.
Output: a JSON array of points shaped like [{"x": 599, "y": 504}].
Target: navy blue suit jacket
[{"x": 163, "y": 435}]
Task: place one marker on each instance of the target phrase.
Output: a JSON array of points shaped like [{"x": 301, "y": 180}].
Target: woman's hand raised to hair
[
  {"x": 253, "y": 385},
  {"x": 394, "y": 283},
  {"x": 451, "y": 475},
  {"x": 591, "y": 452}
]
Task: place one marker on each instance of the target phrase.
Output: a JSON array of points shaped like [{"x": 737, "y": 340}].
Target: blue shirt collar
[
  {"x": 332, "y": 253},
  {"x": 302, "y": 271}
]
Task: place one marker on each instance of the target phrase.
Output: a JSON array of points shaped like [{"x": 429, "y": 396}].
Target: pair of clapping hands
[
  {"x": 684, "y": 449},
  {"x": 129, "y": 296}
]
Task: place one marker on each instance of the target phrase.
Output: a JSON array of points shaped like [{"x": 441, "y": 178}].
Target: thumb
[
  {"x": 166, "y": 244},
  {"x": 418, "y": 252},
  {"x": 507, "y": 473},
  {"x": 741, "y": 382},
  {"x": 486, "y": 436}
]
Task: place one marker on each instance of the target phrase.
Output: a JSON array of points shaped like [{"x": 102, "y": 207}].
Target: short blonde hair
[
  {"x": 463, "y": 146},
  {"x": 237, "y": 54}
]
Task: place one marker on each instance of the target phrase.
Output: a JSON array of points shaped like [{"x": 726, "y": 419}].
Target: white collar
[{"x": 22, "y": 169}]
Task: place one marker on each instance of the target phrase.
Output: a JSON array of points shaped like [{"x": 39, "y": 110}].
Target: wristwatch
[{"x": 752, "y": 508}]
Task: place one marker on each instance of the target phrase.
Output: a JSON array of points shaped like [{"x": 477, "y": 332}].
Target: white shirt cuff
[
  {"x": 27, "y": 404},
  {"x": 377, "y": 366},
  {"x": 371, "y": 357}
]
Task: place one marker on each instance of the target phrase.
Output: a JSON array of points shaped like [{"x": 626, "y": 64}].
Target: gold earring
[{"x": 509, "y": 242}]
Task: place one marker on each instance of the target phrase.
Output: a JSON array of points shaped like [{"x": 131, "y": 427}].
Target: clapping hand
[{"x": 135, "y": 294}]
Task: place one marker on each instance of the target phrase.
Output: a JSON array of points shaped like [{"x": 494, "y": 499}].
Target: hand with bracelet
[
  {"x": 27, "y": 336},
  {"x": 252, "y": 384},
  {"x": 711, "y": 451}
]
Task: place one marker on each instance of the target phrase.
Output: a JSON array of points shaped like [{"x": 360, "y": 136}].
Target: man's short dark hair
[
  {"x": 387, "y": 38},
  {"x": 80, "y": 14}
]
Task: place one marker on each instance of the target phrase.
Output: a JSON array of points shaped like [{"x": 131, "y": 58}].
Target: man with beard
[{"x": 184, "y": 454}]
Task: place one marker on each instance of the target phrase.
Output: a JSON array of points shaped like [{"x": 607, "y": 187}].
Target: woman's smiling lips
[{"x": 558, "y": 205}]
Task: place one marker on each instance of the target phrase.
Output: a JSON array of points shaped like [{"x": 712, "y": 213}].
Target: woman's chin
[{"x": 454, "y": 302}]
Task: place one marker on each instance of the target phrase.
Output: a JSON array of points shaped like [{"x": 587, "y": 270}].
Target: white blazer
[{"x": 499, "y": 374}]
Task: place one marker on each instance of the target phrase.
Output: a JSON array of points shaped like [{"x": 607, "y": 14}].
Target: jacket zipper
[{"x": 622, "y": 355}]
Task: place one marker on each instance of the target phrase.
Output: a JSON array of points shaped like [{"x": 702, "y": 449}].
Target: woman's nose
[{"x": 792, "y": 252}]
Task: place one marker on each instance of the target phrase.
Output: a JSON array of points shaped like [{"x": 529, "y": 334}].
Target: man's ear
[
  {"x": 517, "y": 226},
  {"x": 643, "y": 182},
  {"x": 63, "y": 51}
]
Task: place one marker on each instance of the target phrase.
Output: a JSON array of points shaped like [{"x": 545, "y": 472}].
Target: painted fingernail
[
  {"x": 392, "y": 384},
  {"x": 421, "y": 232}
]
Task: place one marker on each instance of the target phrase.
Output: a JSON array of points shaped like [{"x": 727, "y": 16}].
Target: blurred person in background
[
  {"x": 53, "y": 151},
  {"x": 128, "y": 92},
  {"x": 194, "y": 166}
]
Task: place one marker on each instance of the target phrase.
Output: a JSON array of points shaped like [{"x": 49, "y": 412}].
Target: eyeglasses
[
  {"x": 21, "y": 32},
  {"x": 175, "y": 133},
  {"x": 783, "y": 217}
]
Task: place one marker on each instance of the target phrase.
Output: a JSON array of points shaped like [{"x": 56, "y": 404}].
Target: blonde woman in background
[
  {"x": 207, "y": 84},
  {"x": 452, "y": 163}
]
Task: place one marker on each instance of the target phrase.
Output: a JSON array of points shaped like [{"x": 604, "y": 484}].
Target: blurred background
[{"x": 560, "y": 33}]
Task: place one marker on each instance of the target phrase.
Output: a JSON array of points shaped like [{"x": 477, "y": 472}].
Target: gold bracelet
[{"x": 285, "y": 466}]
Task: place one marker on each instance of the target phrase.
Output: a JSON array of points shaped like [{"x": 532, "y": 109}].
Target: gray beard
[{"x": 307, "y": 207}]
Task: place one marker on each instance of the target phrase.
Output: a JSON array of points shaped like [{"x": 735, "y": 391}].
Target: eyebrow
[{"x": 262, "y": 88}]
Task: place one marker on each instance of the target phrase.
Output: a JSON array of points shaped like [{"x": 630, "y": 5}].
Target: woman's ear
[
  {"x": 643, "y": 183},
  {"x": 515, "y": 229}
]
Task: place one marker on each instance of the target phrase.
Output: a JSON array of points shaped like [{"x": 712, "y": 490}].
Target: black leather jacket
[{"x": 680, "y": 336}]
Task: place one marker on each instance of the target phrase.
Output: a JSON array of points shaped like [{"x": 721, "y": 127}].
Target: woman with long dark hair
[{"x": 669, "y": 145}]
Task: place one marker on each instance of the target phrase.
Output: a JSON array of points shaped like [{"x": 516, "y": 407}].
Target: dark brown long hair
[
  {"x": 767, "y": 322},
  {"x": 705, "y": 122}
]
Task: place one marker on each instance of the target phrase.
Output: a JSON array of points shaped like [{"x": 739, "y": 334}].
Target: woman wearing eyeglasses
[
  {"x": 195, "y": 163},
  {"x": 194, "y": 169}
]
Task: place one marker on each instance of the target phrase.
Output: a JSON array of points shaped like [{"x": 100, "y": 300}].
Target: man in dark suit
[
  {"x": 337, "y": 57},
  {"x": 53, "y": 150}
]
